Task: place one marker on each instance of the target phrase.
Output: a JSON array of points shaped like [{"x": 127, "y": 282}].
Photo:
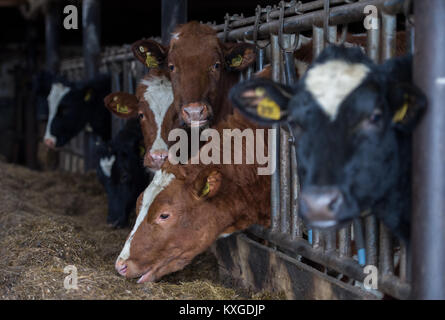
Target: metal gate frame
[{"x": 287, "y": 232}]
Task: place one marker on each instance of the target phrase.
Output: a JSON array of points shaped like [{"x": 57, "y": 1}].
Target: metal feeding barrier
[
  {"x": 344, "y": 253},
  {"x": 125, "y": 72}
]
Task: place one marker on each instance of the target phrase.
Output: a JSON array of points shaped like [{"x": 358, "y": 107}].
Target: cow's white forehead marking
[
  {"x": 56, "y": 94},
  {"x": 331, "y": 82},
  {"x": 106, "y": 164},
  {"x": 159, "y": 95},
  {"x": 160, "y": 180}
]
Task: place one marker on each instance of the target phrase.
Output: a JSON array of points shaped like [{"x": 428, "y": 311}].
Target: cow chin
[{"x": 156, "y": 272}]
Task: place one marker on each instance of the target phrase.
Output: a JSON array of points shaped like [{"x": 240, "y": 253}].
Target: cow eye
[
  {"x": 164, "y": 216},
  {"x": 171, "y": 67},
  {"x": 217, "y": 65},
  {"x": 375, "y": 117},
  {"x": 140, "y": 116}
]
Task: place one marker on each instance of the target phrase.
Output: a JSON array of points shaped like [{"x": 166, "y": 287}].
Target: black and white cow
[
  {"x": 120, "y": 170},
  {"x": 351, "y": 121},
  {"x": 72, "y": 107}
]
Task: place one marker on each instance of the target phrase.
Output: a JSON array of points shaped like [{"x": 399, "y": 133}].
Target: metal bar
[
  {"x": 338, "y": 15},
  {"x": 389, "y": 26},
  {"x": 428, "y": 218},
  {"x": 261, "y": 55},
  {"x": 52, "y": 25},
  {"x": 344, "y": 245},
  {"x": 91, "y": 36},
  {"x": 275, "y": 183},
  {"x": 284, "y": 181},
  {"x": 347, "y": 266},
  {"x": 274, "y": 14},
  {"x": 371, "y": 232},
  {"x": 296, "y": 226},
  {"x": 386, "y": 255},
  {"x": 173, "y": 12}
]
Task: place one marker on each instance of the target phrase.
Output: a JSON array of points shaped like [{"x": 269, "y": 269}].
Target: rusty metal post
[{"x": 428, "y": 219}]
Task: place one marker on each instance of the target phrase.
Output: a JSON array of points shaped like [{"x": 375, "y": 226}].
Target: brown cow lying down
[
  {"x": 152, "y": 104},
  {"x": 187, "y": 207}
]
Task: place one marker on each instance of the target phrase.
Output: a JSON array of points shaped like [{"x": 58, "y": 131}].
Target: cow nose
[
  {"x": 156, "y": 158},
  {"x": 195, "y": 112},
  {"x": 121, "y": 267},
  {"x": 320, "y": 207},
  {"x": 50, "y": 143}
]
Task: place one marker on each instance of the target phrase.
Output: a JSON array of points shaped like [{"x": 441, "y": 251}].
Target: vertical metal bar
[
  {"x": 285, "y": 181},
  {"x": 373, "y": 43},
  {"x": 275, "y": 183},
  {"x": 389, "y": 25},
  {"x": 173, "y": 12},
  {"x": 403, "y": 263},
  {"x": 359, "y": 240},
  {"x": 317, "y": 47},
  {"x": 296, "y": 227},
  {"x": 261, "y": 54},
  {"x": 344, "y": 245},
  {"x": 428, "y": 219},
  {"x": 91, "y": 36},
  {"x": 52, "y": 25}
]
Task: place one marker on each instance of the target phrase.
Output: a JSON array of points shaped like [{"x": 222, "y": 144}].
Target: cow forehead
[
  {"x": 332, "y": 81},
  {"x": 160, "y": 181},
  {"x": 159, "y": 96}
]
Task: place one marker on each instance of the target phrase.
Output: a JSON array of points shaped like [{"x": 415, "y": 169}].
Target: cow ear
[
  {"x": 207, "y": 185},
  {"x": 239, "y": 56},
  {"x": 151, "y": 53},
  {"x": 262, "y": 100},
  {"x": 122, "y": 104},
  {"x": 407, "y": 103}
]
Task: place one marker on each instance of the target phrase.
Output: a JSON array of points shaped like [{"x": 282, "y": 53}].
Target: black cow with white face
[
  {"x": 121, "y": 172},
  {"x": 351, "y": 121},
  {"x": 72, "y": 107}
]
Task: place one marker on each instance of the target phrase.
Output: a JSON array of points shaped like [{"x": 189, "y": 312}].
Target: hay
[{"x": 50, "y": 220}]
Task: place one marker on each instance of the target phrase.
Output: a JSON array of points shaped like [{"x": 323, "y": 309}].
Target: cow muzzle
[
  {"x": 321, "y": 207},
  {"x": 155, "y": 159},
  {"x": 50, "y": 143},
  {"x": 195, "y": 114}
]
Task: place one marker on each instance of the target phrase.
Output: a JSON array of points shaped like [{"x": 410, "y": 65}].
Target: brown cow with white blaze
[
  {"x": 202, "y": 70},
  {"x": 153, "y": 106},
  {"x": 187, "y": 207}
]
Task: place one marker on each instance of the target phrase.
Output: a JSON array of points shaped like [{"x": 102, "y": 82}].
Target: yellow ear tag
[
  {"x": 236, "y": 62},
  {"x": 205, "y": 191},
  {"x": 141, "y": 151},
  {"x": 151, "y": 61},
  {"x": 87, "y": 96},
  {"x": 268, "y": 108},
  {"x": 122, "y": 108},
  {"x": 401, "y": 113}
]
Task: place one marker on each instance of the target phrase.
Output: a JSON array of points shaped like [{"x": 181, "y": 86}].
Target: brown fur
[{"x": 237, "y": 198}]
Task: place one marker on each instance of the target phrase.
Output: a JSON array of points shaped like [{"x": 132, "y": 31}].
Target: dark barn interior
[{"x": 56, "y": 194}]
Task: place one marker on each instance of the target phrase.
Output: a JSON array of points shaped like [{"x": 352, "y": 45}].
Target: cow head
[
  {"x": 156, "y": 116},
  {"x": 351, "y": 121},
  {"x": 201, "y": 68},
  {"x": 181, "y": 214},
  {"x": 121, "y": 173},
  {"x": 71, "y": 108}
]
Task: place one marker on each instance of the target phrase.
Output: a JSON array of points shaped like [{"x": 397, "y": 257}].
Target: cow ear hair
[
  {"x": 239, "y": 56},
  {"x": 122, "y": 104},
  {"x": 262, "y": 100},
  {"x": 407, "y": 103},
  {"x": 207, "y": 184},
  {"x": 149, "y": 52}
]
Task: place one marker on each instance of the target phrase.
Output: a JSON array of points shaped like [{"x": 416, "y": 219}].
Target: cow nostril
[{"x": 121, "y": 267}]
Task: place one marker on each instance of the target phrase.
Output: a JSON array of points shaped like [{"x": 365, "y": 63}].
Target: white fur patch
[
  {"x": 159, "y": 95},
  {"x": 106, "y": 164},
  {"x": 58, "y": 91},
  {"x": 160, "y": 180},
  {"x": 175, "y": 36},
  {"x": 224, "y": 235},
  {"x": 331, "y": 82}
]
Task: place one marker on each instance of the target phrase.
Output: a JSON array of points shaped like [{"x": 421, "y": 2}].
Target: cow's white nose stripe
[
  {"x": 55, "y": 96},
  {"x": 160, "y": 181}
]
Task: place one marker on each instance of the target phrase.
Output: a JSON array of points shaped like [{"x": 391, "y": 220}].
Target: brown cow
[
  {"x": 202, "y": 70},
  {"x": 187, "y": 207},
  {"x": 153, "y": 105}
]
